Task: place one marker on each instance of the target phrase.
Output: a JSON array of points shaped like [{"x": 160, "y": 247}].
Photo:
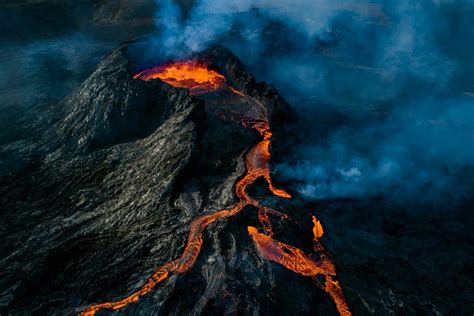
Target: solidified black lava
[
  {"x": 108, "y": 193},
  {"x": 102, "y": 192}
]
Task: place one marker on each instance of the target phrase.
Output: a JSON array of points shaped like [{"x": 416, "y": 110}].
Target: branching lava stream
[{"x": 198, "y": 79}]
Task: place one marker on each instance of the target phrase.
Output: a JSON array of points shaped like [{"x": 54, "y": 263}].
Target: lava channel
[{"x": 198, "y": 78}]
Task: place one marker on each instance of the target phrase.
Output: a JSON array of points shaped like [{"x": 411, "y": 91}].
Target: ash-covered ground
[{"x": 100, "y": 174}]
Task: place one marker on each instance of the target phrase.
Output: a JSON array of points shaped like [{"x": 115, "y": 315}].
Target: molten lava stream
[
  {"x": 297, "y": 261},
  {"x": 198, "y": 79},
  {"x": 257, "y": 166}
]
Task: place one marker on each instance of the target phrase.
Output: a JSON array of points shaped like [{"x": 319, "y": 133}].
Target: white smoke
[{"x": 399, "y": 61}]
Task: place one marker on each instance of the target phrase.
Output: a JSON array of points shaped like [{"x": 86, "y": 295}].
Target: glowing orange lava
[
  {"x": 297, "y": 261},
  {"x": 185, "y": 74},
  {"x": 318, "y": 230},
  {"x": 190, "y": 74}
]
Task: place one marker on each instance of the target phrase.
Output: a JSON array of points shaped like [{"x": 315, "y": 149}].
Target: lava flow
[
  {"x": 297, "y": 261},
  {"x": 199, "y": 79}
]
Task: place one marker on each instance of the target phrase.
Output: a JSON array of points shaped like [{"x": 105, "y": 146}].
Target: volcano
[
  {"x": 251, "y": 112},
  {"x": 160, "y": 198}
]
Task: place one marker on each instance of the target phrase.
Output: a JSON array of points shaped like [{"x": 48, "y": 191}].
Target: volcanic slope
[{"x": 112, "y": 191}]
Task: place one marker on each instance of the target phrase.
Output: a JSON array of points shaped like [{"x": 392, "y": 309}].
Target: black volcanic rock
[
  {"x": 103, "y": 191},
  {"x": 68, "y": 207},
  {"x": 111, "y": 189},
  {"x": 112, "y": 107}
]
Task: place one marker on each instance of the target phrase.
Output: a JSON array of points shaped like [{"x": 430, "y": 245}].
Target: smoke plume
[{"x": 383, "y": 88}]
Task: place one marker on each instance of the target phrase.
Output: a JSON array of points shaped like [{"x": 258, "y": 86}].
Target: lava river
[{"x": 198, "y": 78}]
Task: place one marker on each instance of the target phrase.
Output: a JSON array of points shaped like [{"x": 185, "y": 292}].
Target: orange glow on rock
[{"x": 199, "y": 79}]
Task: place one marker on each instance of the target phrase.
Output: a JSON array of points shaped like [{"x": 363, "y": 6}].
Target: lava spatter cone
[
  {"x": 143, "y": 192},
  {"x": 199, "y": 79}
]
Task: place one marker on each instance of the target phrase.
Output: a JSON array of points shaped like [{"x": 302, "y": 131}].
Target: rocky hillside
[{"x": 110, "y": 191}]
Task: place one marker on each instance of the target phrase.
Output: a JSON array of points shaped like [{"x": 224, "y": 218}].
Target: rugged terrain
[
  {"x": 101, "y": 176},
  {"x": 103, "y": 190},
  {"x": 106, "y": 195}
]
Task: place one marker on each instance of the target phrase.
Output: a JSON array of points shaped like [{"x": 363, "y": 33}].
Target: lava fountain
[{"x": 198, "y": 78}]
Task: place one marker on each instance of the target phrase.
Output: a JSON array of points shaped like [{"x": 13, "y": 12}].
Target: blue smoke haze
[
  {"x": 384, "y": 89},
  {"x": 422, "y": 154},
  {"x": 398, "y": 73}
]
